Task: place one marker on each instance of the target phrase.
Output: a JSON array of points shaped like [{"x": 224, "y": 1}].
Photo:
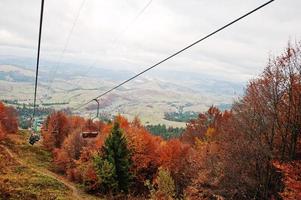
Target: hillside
[
  {"x": 150, "y": 100},
  {"x": 149, "y": 97},
  {"x": 249, "y": 152},
  {"x": 26, "y": 173}
]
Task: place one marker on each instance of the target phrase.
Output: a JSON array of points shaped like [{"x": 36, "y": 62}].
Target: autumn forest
[{"x": 251, "y": 151}]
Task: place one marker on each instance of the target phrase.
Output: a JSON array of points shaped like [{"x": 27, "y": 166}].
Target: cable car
[
  {"x": 92, "y": 134},
  {"x": 89, "y": 134},
  {"x": 35, "y": 131},
  {"x": 34, "y": 138}
]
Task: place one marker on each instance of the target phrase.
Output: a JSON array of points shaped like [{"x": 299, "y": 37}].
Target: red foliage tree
[
  {"x": 8, "y": 118},
  {"x": 58, "y": 130},
  {"x": 177, "y": 157},
  {"x": 65, "y": 157},
  {"x": 86, "y": 171},
  {"x": 145, "y": 155},
  {"x": 197, "y": 128},
  {"x": 291, "y": 179},
  {"x": 264, "y": 125},
  {"x": 2, "y": 133},
  {"x": 76, "y": 122}
]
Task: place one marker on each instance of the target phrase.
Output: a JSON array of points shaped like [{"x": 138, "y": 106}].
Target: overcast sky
[{"x": 134, "y": 34}]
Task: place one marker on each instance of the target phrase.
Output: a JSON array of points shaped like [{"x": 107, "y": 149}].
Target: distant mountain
[{"x": 149, "y": 96}]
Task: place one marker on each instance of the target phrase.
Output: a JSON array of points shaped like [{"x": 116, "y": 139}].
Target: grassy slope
[
  {"x": 34, "y": 155},
  {"x": 20, "y": 182}
]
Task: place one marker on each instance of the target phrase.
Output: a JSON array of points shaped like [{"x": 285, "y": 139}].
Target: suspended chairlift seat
[
  {"x": 91, "y": 134},
  {"x": 35, "y": 132},
  {"x": 34, "y": 138}
]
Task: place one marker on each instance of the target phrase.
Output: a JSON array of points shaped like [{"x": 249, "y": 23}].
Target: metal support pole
[{"x": 97, "y": 101}]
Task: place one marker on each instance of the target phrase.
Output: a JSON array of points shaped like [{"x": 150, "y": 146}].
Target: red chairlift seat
[
  {"x": 92, "y": 134},
  {"x": 89, "y": 134}
]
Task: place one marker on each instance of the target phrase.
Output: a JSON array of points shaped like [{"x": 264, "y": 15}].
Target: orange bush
[
  {"x": 58, "y": 128},
  {"x": 65, "y": 157},
  {"x": 291, "y": 179},
  {"x": 2, "y": 133},
  {"x": 8, "y": 119}
]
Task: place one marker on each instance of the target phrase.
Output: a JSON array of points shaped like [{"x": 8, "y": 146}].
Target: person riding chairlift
[{"x": 34, "y": 136}]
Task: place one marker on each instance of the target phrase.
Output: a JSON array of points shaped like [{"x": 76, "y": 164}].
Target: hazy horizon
[{"x": 132, "y": 35}]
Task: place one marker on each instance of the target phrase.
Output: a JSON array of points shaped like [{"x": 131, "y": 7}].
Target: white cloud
[{"x": 105, "y": 33}]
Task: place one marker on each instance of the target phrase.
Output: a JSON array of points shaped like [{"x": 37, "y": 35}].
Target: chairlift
[
  {"x": 35, "y": 129},
  {"x": 34, "y": 137},
  {"x": 92, "y": 134},
  {"x": 89, "y": 134}
]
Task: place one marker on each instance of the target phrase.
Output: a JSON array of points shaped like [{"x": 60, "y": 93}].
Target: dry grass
[
  {"x": 19, "y": 182},
  {"x": 34, "y": 155},
  {"x": 28, "y": 174}
]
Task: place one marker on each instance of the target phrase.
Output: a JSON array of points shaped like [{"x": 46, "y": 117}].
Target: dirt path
[{"x": 78, "y": 195}]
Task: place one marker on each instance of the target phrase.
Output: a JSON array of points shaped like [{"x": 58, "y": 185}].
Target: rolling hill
[{"x": 148, "y": 97}]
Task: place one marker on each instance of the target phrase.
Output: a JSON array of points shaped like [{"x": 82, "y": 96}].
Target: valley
[{"x": 150, "y": 97}]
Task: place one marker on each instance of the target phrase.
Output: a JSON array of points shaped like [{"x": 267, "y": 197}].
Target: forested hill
[{"x": 251, "y": 151}]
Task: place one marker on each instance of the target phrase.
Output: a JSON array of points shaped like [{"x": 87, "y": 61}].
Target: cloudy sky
[{"x": 134, "y": 34}]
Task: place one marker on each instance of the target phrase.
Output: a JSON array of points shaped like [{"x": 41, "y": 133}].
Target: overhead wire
[
  {"x": 176, "y": 53},
  {"x": 38, "y": 60},
  {"x": 116, "y": 39},
  {"x": 52, "y": 76},
  {"x": 134, "y": 19}
]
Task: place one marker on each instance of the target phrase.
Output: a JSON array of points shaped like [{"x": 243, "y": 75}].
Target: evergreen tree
[
  {"x": 107, "y": 175},
  {"x": 115, "y": 158}
]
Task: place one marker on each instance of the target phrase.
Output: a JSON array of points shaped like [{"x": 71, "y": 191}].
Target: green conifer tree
[{"x": 116, "y": 155}]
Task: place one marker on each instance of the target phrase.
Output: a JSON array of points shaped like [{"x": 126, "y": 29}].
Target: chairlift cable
[
  {"x": 38, "y": 60},
  {"x": 52, "y": 76},
  {"x": 176, "y": 53}
]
